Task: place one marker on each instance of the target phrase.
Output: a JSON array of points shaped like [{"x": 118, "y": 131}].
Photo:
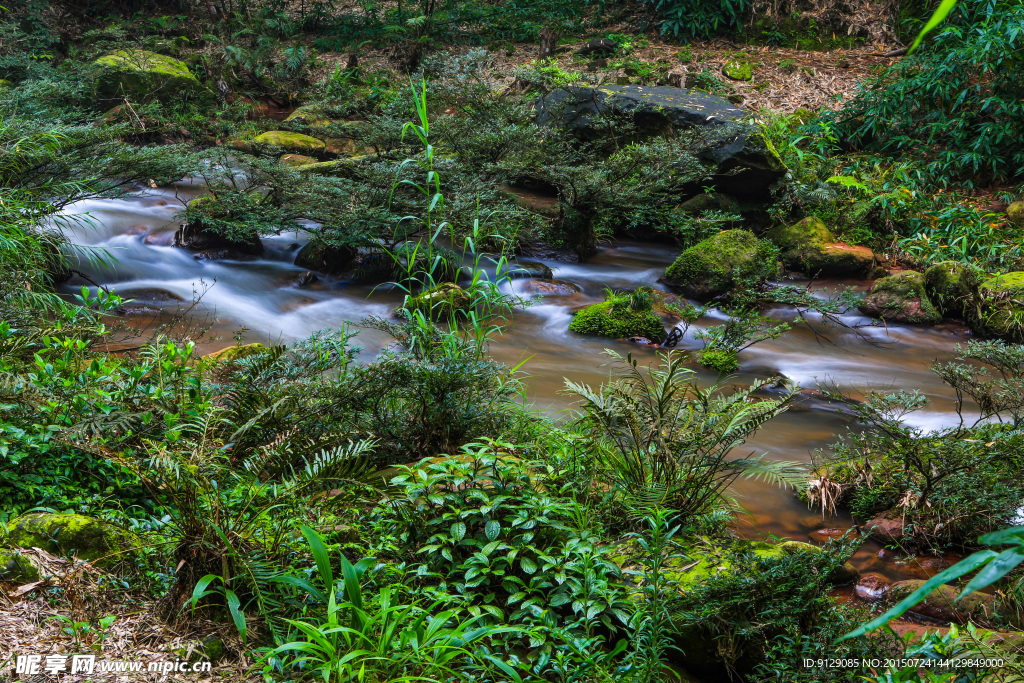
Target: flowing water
[{"x": 258, "y": 300}]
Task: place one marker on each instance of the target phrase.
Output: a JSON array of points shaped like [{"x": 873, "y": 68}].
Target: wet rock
[
  {"x": 534, "y": 270},
  {"x": 306, "y": 279},
  {"x": 159, "y": 239},
  {"x": 136, "y": 230},
  {"x": 871, "y": 587},
  {"x": 741, "y": 160},
  {"x": 326, "y": 258},
  {"x": 953, "y": 288},
  {"x": 445, "y": 300},
  {"x": 829, "y": 534},
  {"x": 15, "y": 567},
  {"x": 809, "y": 246},
  {"x": 713, "y": 266},
  {"x": 296, "y": 160},
  {"x": 941, "y": 604},
  {"x": 548, "y": 287},
  {"x": 602, "y": 47},
  {"x": 148, "y": 295},
  {"x": 886, "y": 527},
  {"x": 140, "y": 75},
  {"x": 642, "y": 341},
  {"x": 1015, "y": 213},
  {"x": 136, "y": 310},
  {"x": 901, "y": 298},
  {"x": 66, "y": 534}
]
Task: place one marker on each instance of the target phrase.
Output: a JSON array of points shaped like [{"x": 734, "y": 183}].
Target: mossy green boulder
[
  {"x": 68, "y": 534},
  {"x": 297, "y": 160},
  {"x": 233, "y": 353},
  {"x": 4, "y": 84},
  {"x": 809, "y": 246},
  {"x": 295, "y": 143},
  {"x": 714, "y": 266},
  {"x": 309, "y": 115},
  {"x": 953, "y": 289},
  {"x": 1002, "y": 307},
  {"x": 738, "y": 70},
  {"x": 326, "y": 258},
  {"x": 140, "y": 75},
  {"x": 1015, "y": 213},
  {"x": 616, "y": 320},
  {"x": 15, "y": 567},
  {"x": 901, "y": 298},
  {"x": 445, "y": 299}
]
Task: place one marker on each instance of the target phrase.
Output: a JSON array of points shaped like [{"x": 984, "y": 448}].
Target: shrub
[{"x": 689, "y": 19}]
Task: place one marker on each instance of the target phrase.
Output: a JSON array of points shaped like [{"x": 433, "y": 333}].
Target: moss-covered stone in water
[
  {"x": 445, "y": 299},
  {"x": 722, "y": 362},
  {"x": 297, "y": 143},
  {"x": 809, "y": 245},
  {"x": 953, "y": 288},
  {"x": 233, "y": 353},
  {"x": 739, "y": 70},
  {"x": 1015, "y": 213},
  {"x": 140, "y": 75},
  {"x": 59, "y": 534},
  {"x": 16, "y": 567},
  {"x": 607, "y": 320},
  {"x": 715, "y": 265},
  {"x": 901, "y": 298},
  {"x": 1002, "y": 307},
  {"x": 326, "y": 258}
]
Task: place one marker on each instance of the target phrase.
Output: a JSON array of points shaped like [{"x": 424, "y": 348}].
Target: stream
[{"x": 257, "y": 300}]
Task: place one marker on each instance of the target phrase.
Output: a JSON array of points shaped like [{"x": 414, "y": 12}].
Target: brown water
[{"x": 258, "y": 299}]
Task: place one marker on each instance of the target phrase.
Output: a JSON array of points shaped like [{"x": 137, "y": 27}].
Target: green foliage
[
  {"x": 621, "y": 315},
  {"x": 957, "y": 104},
  {"x": 666, "y": 441},
  {"x": 690, "y": 19}
]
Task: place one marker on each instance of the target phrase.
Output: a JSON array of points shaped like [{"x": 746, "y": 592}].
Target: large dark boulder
[
  {"x": 326, "y": 258},
  {"x": 744, "y": 163}
]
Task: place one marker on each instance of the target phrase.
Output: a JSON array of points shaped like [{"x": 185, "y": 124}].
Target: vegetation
[{"x": 408, "y": 514}]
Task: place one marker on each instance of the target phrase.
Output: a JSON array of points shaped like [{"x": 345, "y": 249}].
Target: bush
[{"x": 689, "y": 19}]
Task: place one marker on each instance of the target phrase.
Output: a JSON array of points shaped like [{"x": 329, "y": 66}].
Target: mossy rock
[
  {"x": 738, "y": 70},
  {"x": 237, "y": 352},
  {"x": 326, "y": 258},
  {"x": 953, "y": 288},
  {"x": 337, "y": 168},
  {"x": 901, "y": 298},
  {"x": 1015, "y": 214},
  {"x": 141, "y": 75},
  {"x": 15, "y": 567},
  {"x": 67, "y": 534},
  {"x": 297, "y": 160},
  {"x": 942, "y": 604},
  {"x": 717, "y": 201},
  {"x": 5, "y": 84},
  {"x": 608, "y": 320},
  {"x": 295, "y": 143},
  {"x": 714, "y": 266},
  {"x": 309, "y": 115},
  {"x": 1001, "y": 307},
  {"x": 808, "y": 245},
  {"x": 195, "y": 234},
  {"x": 722, "y": 362},
  {"x": 447, "y": 298}
]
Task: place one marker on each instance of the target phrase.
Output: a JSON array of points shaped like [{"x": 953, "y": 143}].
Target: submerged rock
[
  {"x": 140, "y": 75},
  {"x": 901, "y": 298},
  {"x": 326, "y": 258},
  {"x": 67, "y": 534},
  {"x": 743, "y": 162},
  {"x": 549, "y": 287},
  {"x": 715, "y": 265},
  {"x": 809, "y": 246}
]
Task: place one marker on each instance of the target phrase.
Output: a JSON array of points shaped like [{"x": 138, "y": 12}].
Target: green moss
[
  {"x": 309, "y": 115},
  {"x": 297, "y": 160},
  {"x": 296, "y": 143},
  {"x": 617, "y": 321},
  {"x": 141, "y": 75},
  {"x": 4, "y": 84},
  {"x": 1015, "y": 213},
  {"x": 326, "y": 258},
  {"x": 232, "y": 353},
  {"x": 953, "y": 288},
  {"x": 1002, "y": 307},
  {"x": 16, "y": 567},
  {"x": 901, "y": 298},
  {"x": 446, "y": 299},
  {"x": 739, "y": 70},
  {"x": 715, "y": 265},
  {"x": 338, "y": 168},
  {"x": 809, "y": 245},
  {"x": 722, "y": 362},
  {"x": 90, "y": 539}
]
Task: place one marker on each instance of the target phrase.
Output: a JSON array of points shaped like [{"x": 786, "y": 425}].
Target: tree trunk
[{"x": 548, "y": 42}]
